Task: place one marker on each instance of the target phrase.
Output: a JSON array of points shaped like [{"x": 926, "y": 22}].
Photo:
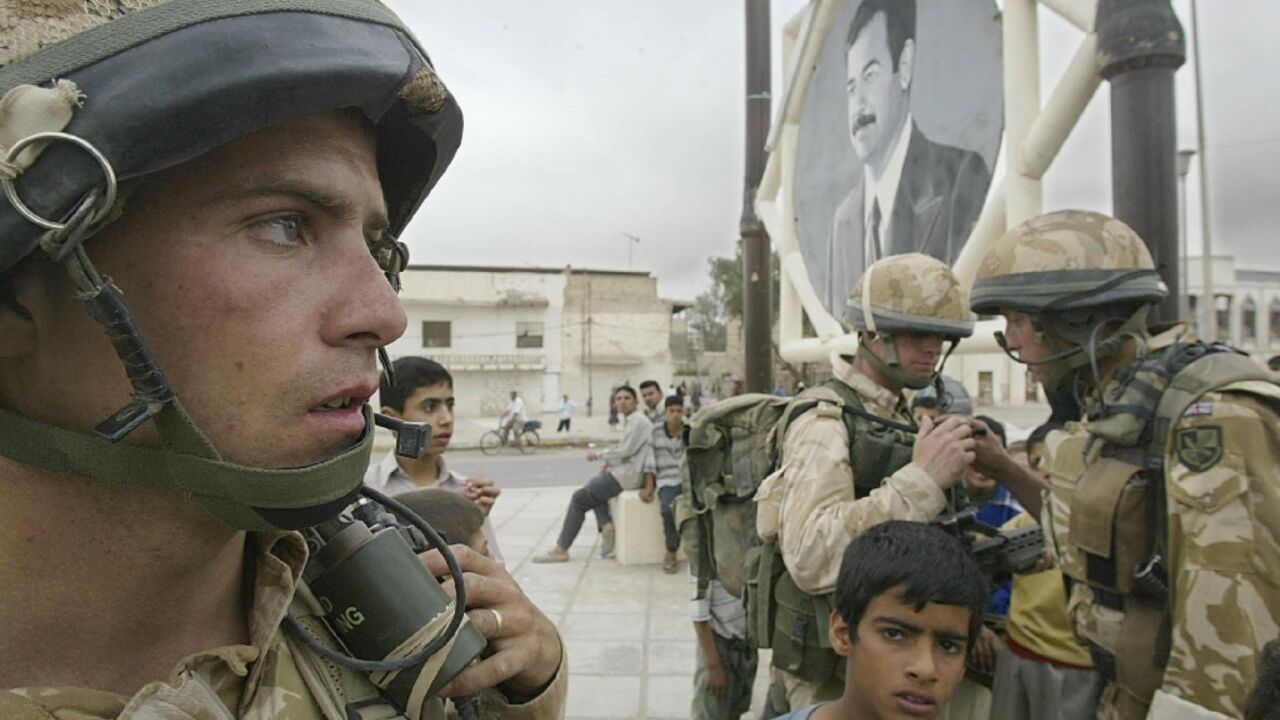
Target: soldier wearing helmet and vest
[
  {"x": 218, "y": 186},
  {"x": 1164, "y": 501},
  {"x": 842, "y": 473}
]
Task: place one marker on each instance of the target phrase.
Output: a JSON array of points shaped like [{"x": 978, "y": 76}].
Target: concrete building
[
  {"x": 540, "y": 331},
  {"x": 1246, "y": 304}
]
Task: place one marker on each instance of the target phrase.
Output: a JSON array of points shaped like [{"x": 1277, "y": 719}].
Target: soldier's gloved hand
[
  {"x": 944, "y": 449},
  {"x": 524, "y": 651}
]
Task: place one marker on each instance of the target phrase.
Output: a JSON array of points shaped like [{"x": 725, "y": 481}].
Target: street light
[
  {"x": 1184, "y": 164},
  {"x": 632, "y": 241}
]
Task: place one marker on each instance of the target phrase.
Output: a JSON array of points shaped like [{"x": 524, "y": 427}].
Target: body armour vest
[
  {"x": 789, "y": 620},
  {"x": 1109, "y": 497}
]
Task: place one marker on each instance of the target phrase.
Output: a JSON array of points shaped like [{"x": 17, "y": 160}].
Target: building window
[
  {"x": 1033, "y": 386},
  {"x": 986, "y": 388},
  {"x": 528, "y": 334},
  {"x": 1275, "y": 322},
  {"x": 1222, "y": 304},
  {"x": 1193, "y": 318},
  {"x": 1249, "y": 322},
  {"x": 437, "y": 334}
]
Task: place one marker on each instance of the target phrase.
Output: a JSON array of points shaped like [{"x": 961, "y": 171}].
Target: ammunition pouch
[{"x": 801, "y": 642}]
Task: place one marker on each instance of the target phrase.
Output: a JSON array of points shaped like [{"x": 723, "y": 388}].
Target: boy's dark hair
[
  {"x": 996, "y": 427},
  {"x": 1038, "y": 436},
  {"x": 651, "y": 383},
  {"x": 922, "y": 562},
  {"x": 411, "y": 373},
  {"x": 626, "y": 389},
  {"x": 672, "y": 400},
  {"x": 899, "y": 16},
  {"x": 929, "y": 402},
  {"x": 452, "y": 515},
  {"x": 1263, "y": 702}
]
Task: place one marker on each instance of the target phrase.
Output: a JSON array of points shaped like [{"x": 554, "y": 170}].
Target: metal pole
[
  {"x": 1209, "y": 330},
  {"x": 1184, "y": 164},
  {"x": 757, "y": 285},
  {"x": 1140, "y": 44},
  {"x": 591, "y": 385}
]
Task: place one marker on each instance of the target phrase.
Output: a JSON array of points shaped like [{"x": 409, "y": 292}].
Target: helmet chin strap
[
  {"x": 892, "y": 369},
  {"x": 1083, "y": 347}
]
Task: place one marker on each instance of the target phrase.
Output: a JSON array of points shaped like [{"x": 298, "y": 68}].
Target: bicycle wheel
[
  {"x": 529, "y": 441},
  {"x": 490, "y": 442}
]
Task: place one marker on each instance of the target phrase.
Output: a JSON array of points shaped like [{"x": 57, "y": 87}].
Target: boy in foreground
[{"x": 908, "y": 607}]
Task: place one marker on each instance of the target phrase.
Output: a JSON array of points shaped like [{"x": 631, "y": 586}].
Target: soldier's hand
[
  {"x": 523, "y": 652},
  {"x": 986, "y": 650},
  {"x": 944, "y": 448},
  {"x": 990, "y": 456}
]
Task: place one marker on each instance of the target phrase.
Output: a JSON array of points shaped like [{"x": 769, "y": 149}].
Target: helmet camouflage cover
[
  {"x": 1066, "y": 260},
  {"x": 910, "y": 293}
]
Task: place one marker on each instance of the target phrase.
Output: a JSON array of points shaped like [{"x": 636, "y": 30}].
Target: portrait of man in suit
[{"x": 913, "y": 194}]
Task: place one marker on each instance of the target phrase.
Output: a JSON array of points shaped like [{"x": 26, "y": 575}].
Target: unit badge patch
[{"x": 1199, "y": 448}]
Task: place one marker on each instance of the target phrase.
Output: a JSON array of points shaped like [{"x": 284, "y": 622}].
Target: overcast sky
[{"x": 587, "y": 120}]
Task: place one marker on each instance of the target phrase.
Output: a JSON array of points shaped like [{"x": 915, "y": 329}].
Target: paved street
[{"x": 543, "y": 469}]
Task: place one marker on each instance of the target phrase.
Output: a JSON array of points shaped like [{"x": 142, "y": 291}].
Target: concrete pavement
[{"x": 626, "y": 629}]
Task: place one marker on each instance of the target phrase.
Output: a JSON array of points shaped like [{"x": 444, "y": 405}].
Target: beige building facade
[{"x": 540, "y": 331}]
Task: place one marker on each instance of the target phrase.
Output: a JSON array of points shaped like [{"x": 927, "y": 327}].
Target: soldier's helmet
[
  {"x": 96, "y": 94},
  {"x": 1066, "y": 261},
  {"x": 910, "y": 293},
  {"x": 149, "y": 84}
]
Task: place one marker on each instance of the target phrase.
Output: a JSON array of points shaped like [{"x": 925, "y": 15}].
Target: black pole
[
  {"x": 757, "y": 283},
  {"x": 1140, "y": 45}
]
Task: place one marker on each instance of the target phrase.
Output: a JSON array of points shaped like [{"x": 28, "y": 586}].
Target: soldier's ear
[{"x": 906, "y": 63}]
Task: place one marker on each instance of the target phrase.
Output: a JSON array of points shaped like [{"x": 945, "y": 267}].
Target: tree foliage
[{"x": 722, "y": 302}]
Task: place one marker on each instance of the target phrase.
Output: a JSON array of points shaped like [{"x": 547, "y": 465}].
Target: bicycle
[{"x": 527, "y": 440}]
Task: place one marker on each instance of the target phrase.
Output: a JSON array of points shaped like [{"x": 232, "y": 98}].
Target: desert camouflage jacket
[
  {"x": 809, "y": 505},
  {"x": 1223, "y": 498},
  {"x": 258, "y": 681}
]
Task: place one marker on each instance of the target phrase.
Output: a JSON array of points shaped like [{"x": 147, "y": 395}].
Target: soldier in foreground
[
  {"x": 1164, "y": 502},
  {"x": 842, "y": 474},
  {"x": 222, "y": 194}
]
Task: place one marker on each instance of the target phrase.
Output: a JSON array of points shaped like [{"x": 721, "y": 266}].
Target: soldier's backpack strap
[
  {"x": 1214, "y": 366},
  {"x": 878, "y": 447}
]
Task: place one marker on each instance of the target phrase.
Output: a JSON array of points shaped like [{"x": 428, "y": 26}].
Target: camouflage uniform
[
  {"x": 808, "y": 506},
  {"x": 263, "y": 680},
  {"x": 1222, "y": 485}
]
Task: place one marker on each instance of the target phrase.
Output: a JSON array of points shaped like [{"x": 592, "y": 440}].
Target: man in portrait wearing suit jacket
[{"x": 913, "y": 195}]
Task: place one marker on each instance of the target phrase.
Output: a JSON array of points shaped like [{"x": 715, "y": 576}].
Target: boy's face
[
  {"x": 432, "y": 404},
  {"x": 920, "y": 412},
  {"x": 978, "y": 484},
  {"x": 904, "y": 663}
]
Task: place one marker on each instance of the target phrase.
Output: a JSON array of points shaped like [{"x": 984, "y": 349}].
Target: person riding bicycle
[{"x": 513, "y": 419}]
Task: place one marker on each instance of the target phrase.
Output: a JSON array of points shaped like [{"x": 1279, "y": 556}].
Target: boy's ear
[
  {"x": 838, "y": 633},
  {"x": 391, "y": 412}
]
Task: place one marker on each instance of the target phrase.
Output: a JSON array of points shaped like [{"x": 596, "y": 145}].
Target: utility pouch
[
  {"x": 764, "y": 566},
  {"x": 801, "y": 645},
  {"x": 1110, "y": 522}
]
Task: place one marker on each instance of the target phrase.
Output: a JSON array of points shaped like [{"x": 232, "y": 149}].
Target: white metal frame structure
[{"x": 1033, "y": 136}]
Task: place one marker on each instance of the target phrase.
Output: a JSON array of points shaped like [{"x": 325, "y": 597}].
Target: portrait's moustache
[{"x": 862, "y": 120}]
